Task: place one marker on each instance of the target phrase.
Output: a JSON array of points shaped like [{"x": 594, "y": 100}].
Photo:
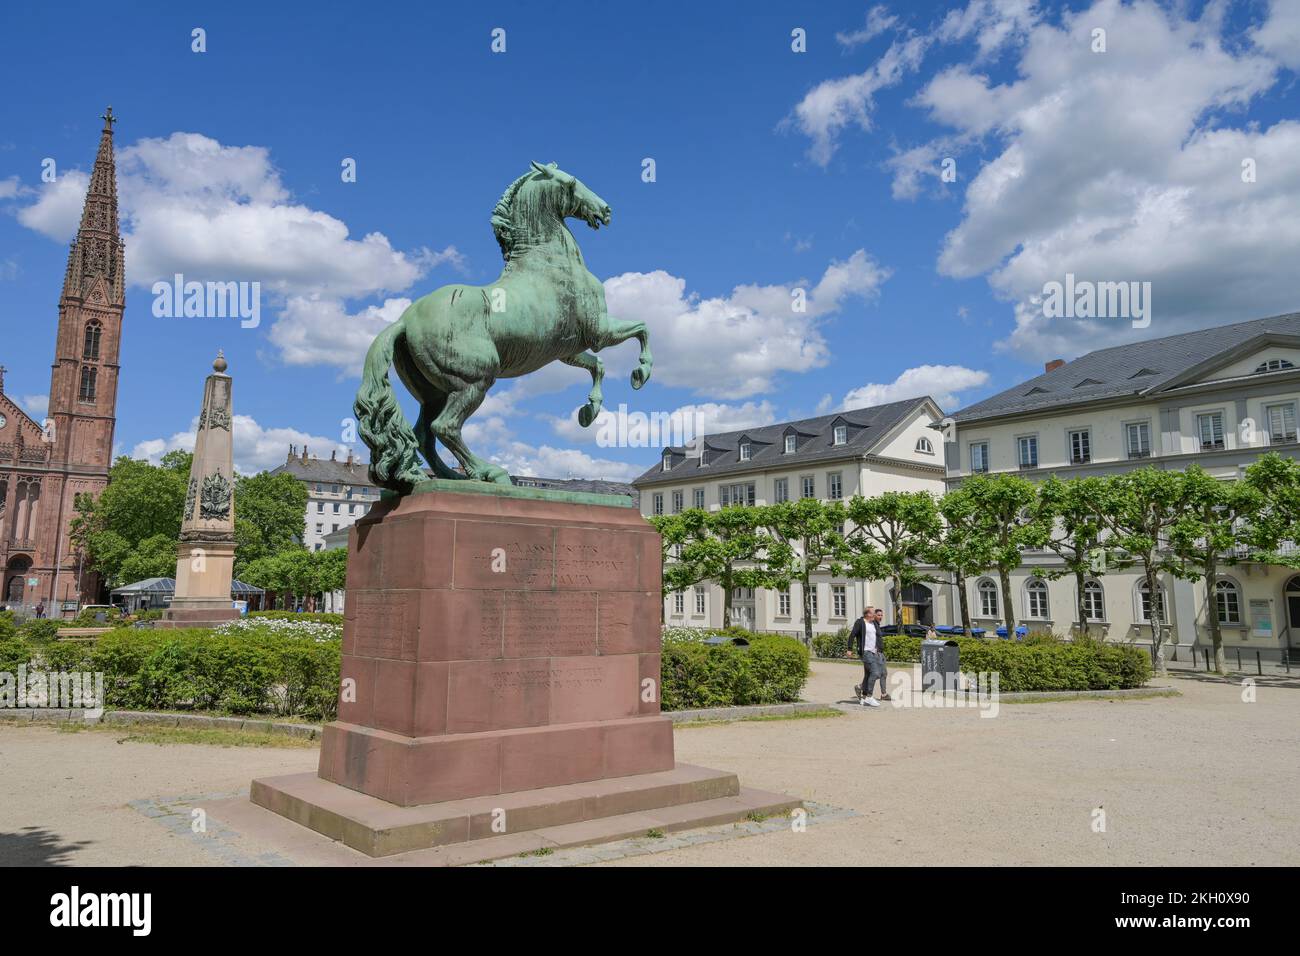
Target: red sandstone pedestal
[{"x": 500, "y": 642}]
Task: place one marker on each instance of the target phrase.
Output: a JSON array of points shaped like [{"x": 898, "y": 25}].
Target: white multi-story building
[
  {"x": 1218, "y": 397},
  {"x": 866, "y": 451},
  {"x": 338, "y": 492}
]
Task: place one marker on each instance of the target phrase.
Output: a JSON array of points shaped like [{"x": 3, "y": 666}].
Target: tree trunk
[
  {"x": 726, "y": 597},
  {"x": 960, "y": 580},
  {"x": 1082, "y": 608},
  {"x": 1212, "y": 612},
  {"x": 897, "y": 599},
  {"x": 807, "y": 608},
  {"x": 1158, "y": 614},
  {"x": 1008, "y": 614}
]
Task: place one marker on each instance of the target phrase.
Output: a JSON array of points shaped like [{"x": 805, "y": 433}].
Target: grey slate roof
[
  {"x": 866, "y": 427},
  {"x": 327, "y": 470},
  {"x": 1134, "y": 369}
]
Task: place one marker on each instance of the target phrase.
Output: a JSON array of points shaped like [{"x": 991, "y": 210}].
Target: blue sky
[{"x": 774, "y": 170}]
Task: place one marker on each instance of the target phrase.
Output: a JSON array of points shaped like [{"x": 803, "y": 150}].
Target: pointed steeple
[{"x": 97, "y": 251}]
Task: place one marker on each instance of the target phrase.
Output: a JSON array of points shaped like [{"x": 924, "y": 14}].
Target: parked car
[{"x": 909, "y": 630}]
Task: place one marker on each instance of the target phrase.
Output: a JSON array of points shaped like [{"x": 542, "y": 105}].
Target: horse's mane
[{"x": 511, "y": 224}]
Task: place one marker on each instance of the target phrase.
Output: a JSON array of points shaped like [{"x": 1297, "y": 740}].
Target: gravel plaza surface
[{"x": 1204, "y": 778}]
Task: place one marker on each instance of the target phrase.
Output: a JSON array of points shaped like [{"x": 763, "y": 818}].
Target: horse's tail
[{"x": 394, "y": 459}]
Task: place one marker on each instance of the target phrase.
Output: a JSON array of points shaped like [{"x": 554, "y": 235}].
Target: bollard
[
  {"x": 1239, "y": 658},
  {"x": 1259, "y": 664}
]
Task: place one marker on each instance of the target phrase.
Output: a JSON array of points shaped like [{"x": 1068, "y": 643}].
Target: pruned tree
[
  {"x": 728, "y": 546},
  {"x": 1073, "y": 510},
  {"x": 1003, "y": 518},
  {"x": 807, "y": 539},
  {"x": 958, "y": 549},
  {"x": 888, "y": 537}
]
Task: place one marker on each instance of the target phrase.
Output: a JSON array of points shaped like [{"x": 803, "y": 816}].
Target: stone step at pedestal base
[{"x": 581, "y": 814}]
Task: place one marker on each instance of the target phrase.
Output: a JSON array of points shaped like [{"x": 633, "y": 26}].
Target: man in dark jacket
[{"x": 865, "y": 640}]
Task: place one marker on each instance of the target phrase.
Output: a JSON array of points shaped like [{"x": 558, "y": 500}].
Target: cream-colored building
[
  {"x": 867, "y": 451},
  {"x": 1218, "y": 397}
]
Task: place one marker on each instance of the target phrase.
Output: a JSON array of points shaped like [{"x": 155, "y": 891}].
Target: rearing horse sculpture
[{"x": 451, "y": 345}]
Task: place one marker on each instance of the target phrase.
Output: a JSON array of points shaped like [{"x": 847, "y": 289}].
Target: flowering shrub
[{"x": 283, "y": 627}]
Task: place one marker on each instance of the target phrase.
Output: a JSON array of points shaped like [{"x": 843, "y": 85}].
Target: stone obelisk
[{"x": 205, "y": 558}]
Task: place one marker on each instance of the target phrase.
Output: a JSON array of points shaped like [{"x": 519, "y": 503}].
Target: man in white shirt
[{"x": 866, "y": 638}]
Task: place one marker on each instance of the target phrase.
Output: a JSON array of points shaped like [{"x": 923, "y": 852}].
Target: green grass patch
[
  {"x": 1057, "y": 698},
  {"x": 210, "y": 736},
  {"x": 818, "y": 714}
]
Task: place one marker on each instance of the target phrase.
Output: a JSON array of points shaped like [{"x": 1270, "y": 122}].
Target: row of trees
[
  {"x": 1186, "y": 524},
  {"x": 129, "y": 531}
]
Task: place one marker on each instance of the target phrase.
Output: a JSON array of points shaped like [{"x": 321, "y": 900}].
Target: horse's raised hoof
[
  {"x": 587, "y": 414},
  {"x": 640, "y": 375}
]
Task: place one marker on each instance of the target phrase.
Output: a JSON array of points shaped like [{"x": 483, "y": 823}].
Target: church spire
[{"x": 97, "y": 250}]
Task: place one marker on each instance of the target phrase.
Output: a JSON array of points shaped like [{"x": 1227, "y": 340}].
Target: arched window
[
  {"x": 1227, "y": 601},
  {"x": 988, "y": 594},
  {"x": 1036, "y": 603},
  {"x": 1144, "y": 604},
  {"x": 923, "y": 446},
  {"x": 1094, "y": 601},
  {"x": 88, "y": 377},
  {"x": 90, "y": 348}
]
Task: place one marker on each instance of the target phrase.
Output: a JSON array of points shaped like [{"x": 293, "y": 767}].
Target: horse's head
[{"x": 573, "y": 199}]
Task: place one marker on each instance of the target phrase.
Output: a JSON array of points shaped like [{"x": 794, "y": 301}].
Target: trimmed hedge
[
  {"x": 771, "y": 670},
  {"x": 832, "y": 645},
  {"x": 198, "y": 669}
]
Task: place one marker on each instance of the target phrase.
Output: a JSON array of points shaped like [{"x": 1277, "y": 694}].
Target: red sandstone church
[{"x": 44, "y": 465}]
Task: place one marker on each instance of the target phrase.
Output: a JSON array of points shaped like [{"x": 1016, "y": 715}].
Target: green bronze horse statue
[{"x": 451, "y": 345}]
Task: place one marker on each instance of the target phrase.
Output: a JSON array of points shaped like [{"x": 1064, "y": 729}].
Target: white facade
[
  {"x": 908, "y": 457},
  {"x": 1221, "y": 415}
]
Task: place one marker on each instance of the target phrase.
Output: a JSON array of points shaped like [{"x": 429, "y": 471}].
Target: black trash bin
[{"x": 940, "y": 665}]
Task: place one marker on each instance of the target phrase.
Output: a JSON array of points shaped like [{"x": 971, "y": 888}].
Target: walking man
[{"x": 865, "y": 639}]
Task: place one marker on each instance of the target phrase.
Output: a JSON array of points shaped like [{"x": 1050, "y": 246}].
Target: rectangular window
[
  {"x": 1228, "y": 602},
  {"x": 812, "y": 601},
  {"x": 783, "y": 603},
  {"x": 738, "y": 494},
  {"x": 658, "y": 504},
  {"x": 320, "y": 528},
  {"x": 790, "y": 442},
  {"x": 745, "y": 451},
  {"x": 699, "y": 599},
  {"x": 1137, "y": 440},
  {"x": 1145, "y": 610},
  {"x": 988, "y": 601},
  {"x": 841, "y": 434},
  {"x": 1038, "y": 601},
  {"x": 320, "y": 507},
  {"x": 809, "y": 486},
  {"x": 336, "y": 507},
  {"x": 839, "y": 601},
  {"x": 979, "y": 456},
  {"x": 1027, "y": 447},
  {"x": 1092, "y": 602},
  {"x": 1210, "y": 428},
  {"x": 699, "y": 498},
  {"x": 1281, "y": 423},
  {"x": 679, "y": 500},
  {"x": 1080, "y": 447},
  {"x": 834, "y": 486},
  {"x": 781, "y": 490},
  {"x": 679, "y": 603}
]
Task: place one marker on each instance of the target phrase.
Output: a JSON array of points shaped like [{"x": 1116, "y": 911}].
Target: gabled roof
[
  {"x": 1138, "y": 368},
  {"x": 868, "y": 427}
]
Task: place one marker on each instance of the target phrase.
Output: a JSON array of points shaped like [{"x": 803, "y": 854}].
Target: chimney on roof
[
  {"x": 290, "y": 458},
  {"x": 349, "y": 462},
  {"x": 1053, "y": 365},
  {"x": 334, "y": 454},
  {"x": 304, "y": 452}
]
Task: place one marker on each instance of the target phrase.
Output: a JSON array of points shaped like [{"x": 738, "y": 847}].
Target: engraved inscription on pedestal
[
  {"x": 540, "y": 624},
  {"x": 381, "y": 628}
]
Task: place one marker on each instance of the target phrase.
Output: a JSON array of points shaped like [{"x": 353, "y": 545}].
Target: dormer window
[
  {"x": 668, "y": 460},
  {"x": 790, "y": 441},
  {"x": 841, "y": 435},
  {"x": 746, "y": 451},
  {"x": 1274, "y": 365}
]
